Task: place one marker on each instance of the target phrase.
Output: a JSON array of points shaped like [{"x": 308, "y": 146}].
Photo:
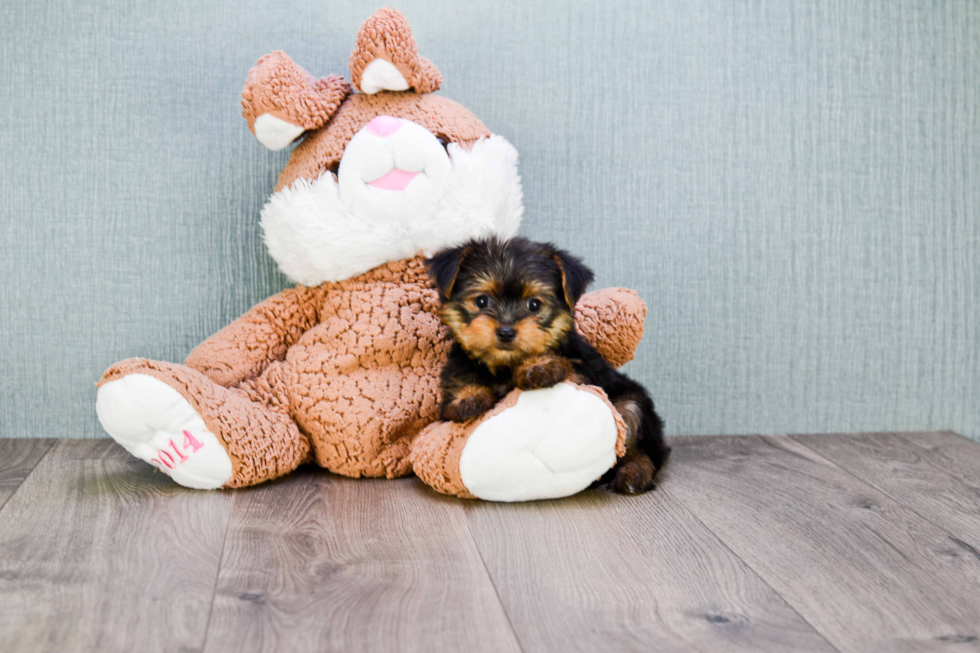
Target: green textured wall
[{"x": 793, "y": 187}]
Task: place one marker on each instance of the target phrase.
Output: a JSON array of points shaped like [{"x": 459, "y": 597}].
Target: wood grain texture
[
  {"x": 602, "y": 573},
  {"x": 18, "y": 459},
  {"x": 749, "y": 543},
  {"x": 864, "y": 570},
  {"x": 99, "y": 553},
  {"x": 935, "y": 474},
  {"x": 319, "y": 562}
]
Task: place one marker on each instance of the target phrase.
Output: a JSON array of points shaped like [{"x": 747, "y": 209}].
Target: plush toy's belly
[{"x": 364, "y": 381}]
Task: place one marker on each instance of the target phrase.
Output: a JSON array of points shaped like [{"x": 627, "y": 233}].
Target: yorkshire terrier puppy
[{"x": 510, "y": 307}]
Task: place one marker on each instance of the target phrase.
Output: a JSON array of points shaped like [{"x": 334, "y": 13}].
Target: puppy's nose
[
  {"x": 506, "y": 333},
  {"x": 384, "y": 126}
]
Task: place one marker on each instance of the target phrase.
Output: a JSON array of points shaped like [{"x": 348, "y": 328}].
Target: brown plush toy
[{"x": 342, "y": 370}]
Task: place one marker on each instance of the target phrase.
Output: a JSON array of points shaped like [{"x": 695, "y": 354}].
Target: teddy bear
[{"x": 342, "y": 370}]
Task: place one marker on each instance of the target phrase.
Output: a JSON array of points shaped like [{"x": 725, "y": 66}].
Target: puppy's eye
[
  {"x": 482, "y": 301},
  {"x": 534, "y": 304}
]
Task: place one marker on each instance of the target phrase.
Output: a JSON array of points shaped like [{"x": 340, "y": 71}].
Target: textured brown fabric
[
  {"x": 321, "y": 150},
  {"x": 270, "y": 389},
  {"x": 436, "y": 451},
  {"x": 263, "y": 444},
  {"x": 364, "y": 381},
  {"x": 387, "y": 35},
  {"x": 278, "y": 86},
  {"x": 244, "y": 348},
  {"x": 612, "y": 321}
]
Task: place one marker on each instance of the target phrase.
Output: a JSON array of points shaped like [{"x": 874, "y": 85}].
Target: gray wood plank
[
  {"x": 935, "y": 474},
  {"x": 98, "y": 552},
  {"x": 320, "y": 562},
  {"x": 866, "y": 571},
  {"x": 598, "y": 572},
  {"x": 18, "y": 457},
  {"x": 953, "y": 452}
]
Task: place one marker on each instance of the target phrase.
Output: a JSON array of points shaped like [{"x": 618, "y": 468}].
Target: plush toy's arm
[
  {"x": 281, "y": 100},
  {"x": 611, "y": 320},
  {"x": 244, "y": 348}
]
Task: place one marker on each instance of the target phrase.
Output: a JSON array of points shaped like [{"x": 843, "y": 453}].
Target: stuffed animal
[{"x": 342, "y": 370}]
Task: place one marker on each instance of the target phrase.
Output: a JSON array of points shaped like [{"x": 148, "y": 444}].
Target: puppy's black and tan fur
[{"x": 510, "y": 307}]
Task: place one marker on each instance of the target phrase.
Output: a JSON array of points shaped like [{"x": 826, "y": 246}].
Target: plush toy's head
[{"x": 382, "y": 174}]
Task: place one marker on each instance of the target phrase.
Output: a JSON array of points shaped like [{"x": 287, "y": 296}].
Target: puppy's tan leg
[
  {"x": 541, "y": 372},
  {"x": 635, "y": 471},
  {"x": 467, "y": 402},
  {"x": 634, "y": 474}
]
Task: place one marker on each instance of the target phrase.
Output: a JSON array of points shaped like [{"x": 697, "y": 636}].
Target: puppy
[{"x": 510, "y": 307}]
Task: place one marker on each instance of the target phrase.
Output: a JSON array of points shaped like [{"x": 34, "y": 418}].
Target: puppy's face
[
  {"x": 506, "y": 301},
  {"x": 501, "y": 320}
]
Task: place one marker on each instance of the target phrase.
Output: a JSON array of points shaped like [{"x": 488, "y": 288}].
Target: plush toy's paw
[
  {"x": 550, "y": 443},
  {"x": 611, "y": 320},
  {"x": 157, "y": 425}
]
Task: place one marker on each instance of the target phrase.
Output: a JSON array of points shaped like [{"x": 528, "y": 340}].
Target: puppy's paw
[
  {"x": 469, "y": 403},
  {"x": 634, "y": 476},
  {"x": 541, "y": 372}
]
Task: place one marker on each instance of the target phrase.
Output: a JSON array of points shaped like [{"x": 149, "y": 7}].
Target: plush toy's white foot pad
[
  {"x": 156, "y": 424},
  {"x": 551, "y": 443}
]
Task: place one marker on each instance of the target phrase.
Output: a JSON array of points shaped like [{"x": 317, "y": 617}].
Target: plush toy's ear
[
  {"x": 281, "y": 100},
  {"x": 444, "y": 266},
  {"x": 575, "y": 276},
  {"x": 387, "y": 59}
]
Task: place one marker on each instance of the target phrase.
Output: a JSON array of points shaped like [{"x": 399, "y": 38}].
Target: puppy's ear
[
  {"x": 444, "y": 266},
  {"x": 575, "y": 277}
]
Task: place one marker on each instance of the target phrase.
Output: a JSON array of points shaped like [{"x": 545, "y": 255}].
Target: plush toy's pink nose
[{"x": 384, "y": 126}]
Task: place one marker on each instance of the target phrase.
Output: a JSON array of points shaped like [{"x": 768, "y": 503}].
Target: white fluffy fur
[{"x": 316, "y": 236}]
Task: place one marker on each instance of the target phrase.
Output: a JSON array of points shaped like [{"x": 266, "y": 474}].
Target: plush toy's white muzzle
[
  {"x": 393, "y": 172},
  {"x": 398, "y": 192}
]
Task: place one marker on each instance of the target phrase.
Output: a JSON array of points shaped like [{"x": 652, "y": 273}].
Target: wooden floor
[{"x": 857, "y": 543}]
